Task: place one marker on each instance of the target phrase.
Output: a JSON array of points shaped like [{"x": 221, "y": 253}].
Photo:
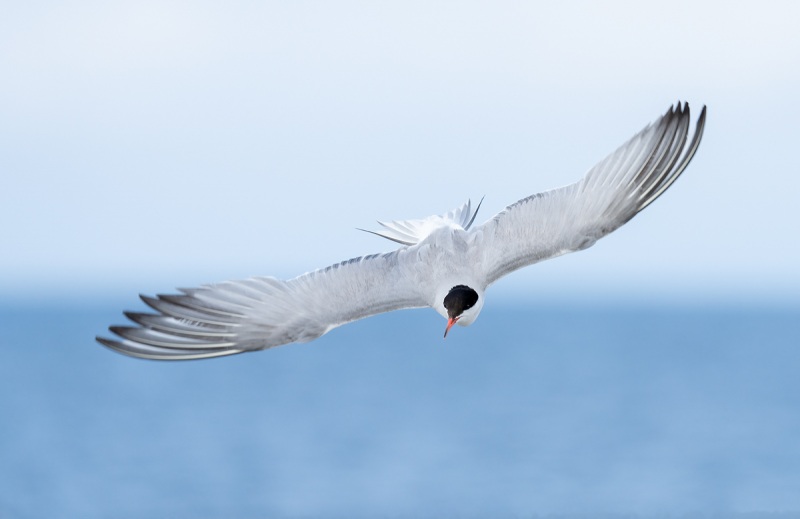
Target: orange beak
[{"x": 450, "y": 323}]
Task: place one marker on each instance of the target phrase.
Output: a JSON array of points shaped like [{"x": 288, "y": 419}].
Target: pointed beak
[{"x": 450, "y": 323}]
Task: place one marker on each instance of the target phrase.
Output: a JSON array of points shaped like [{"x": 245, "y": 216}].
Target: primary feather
[{"x": 574, "y": 217}]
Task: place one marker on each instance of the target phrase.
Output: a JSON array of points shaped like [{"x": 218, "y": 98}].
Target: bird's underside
[{"x": 438, "y": 253}]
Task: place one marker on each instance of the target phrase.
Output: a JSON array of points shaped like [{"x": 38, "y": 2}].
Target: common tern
[{"x": 444, "y": 262}]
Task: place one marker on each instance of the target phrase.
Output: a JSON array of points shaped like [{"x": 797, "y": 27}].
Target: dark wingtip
[
  {"x": 102, "y": 340},
  {"x": 137, "y": 317},
  {"x": 109, "y": 343}
]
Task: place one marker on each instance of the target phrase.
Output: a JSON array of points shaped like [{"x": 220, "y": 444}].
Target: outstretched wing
[
  {"x": 258, "y": 313},
  {"x": 574, "y": 217}
]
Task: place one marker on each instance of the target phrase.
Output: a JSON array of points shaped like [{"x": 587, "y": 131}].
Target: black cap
[{"x": 459, "y": 299}]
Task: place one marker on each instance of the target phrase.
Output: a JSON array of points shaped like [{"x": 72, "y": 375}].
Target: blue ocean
[{"x": 629, "y": 410}]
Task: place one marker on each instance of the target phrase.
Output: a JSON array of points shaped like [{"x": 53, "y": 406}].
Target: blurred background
[{"x": 151, "y": 145}]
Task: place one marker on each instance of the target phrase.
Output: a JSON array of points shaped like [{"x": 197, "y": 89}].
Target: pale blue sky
[{"x": 147, "y": 145}]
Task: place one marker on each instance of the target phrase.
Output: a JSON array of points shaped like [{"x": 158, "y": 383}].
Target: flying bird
[{"x": 444, "y": 262}]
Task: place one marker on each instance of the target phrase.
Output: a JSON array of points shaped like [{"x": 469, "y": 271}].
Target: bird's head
[{"x": 461, "y": 305}]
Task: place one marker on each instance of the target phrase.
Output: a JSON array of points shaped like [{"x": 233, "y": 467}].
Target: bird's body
[{"x": 444, "y": 262}]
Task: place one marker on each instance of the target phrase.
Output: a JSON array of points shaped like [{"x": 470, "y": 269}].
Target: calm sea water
[{"x": 529, "y": 412}]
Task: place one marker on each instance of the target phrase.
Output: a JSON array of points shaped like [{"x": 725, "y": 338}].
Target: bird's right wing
[
  {"x": 258, "y": 313},
  {"x": 574, "y": 217}
]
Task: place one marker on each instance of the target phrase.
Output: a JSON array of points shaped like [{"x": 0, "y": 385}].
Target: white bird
[{"x": 444, "y": 262}]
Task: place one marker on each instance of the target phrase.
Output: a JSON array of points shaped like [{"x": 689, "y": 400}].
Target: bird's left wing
[
  {"x": 258, "y": 313},
  {"x": 574, "y": 217}
]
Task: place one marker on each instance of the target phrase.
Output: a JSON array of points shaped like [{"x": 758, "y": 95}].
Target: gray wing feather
[
  {"x": 258, "y": 313},
  {"x": 574, "y": 217}
]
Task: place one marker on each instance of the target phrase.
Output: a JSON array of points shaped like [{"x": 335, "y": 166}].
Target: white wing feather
[
  {"x": 574, "y": 217},
  {"x": 259, "y": 313}
]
